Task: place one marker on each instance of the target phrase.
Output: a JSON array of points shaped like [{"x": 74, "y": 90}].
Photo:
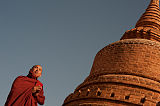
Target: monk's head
[{"x": 36, "y": 71}]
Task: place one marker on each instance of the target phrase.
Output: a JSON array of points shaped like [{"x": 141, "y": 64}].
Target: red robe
[{"x": 21, "y": 92}]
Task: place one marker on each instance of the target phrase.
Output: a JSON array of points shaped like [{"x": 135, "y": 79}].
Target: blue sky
[{"x": 61, "y": 35}]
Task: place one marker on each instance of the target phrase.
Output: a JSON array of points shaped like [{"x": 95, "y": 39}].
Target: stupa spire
[
  {"x": 151, "y": 18},
  {"x": 148, "y": 26}
]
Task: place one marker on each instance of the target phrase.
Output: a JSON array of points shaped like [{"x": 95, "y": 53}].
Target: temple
[{"x": 126, "y": 72}]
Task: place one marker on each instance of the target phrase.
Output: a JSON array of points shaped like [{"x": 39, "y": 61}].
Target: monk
[{"x": 27, "y": 90}]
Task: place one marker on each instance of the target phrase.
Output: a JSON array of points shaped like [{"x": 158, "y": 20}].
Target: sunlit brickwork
[{"x": 126, "y": 72}]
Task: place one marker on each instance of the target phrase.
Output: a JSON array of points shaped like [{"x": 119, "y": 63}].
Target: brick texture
[{"x": 127, "y": 72}]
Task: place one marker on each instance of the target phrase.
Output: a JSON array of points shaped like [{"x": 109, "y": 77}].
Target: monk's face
[{"x": 36, "y": 71}]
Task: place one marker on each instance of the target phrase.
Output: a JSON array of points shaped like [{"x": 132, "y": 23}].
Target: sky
[{"x": 61, "y": 35}]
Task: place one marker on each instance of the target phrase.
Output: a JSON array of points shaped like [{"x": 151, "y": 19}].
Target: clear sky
[{"x": 61, "y": 35}]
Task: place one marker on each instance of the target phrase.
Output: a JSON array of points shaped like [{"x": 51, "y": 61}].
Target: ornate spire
[
  {"x": 151, "y": 18},
  {"x": 148, "y": 26}
]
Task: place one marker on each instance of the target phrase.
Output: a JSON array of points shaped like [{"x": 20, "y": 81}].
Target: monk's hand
[{"x": 36, "y": 89}]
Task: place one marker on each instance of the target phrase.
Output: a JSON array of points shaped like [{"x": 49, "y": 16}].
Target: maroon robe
[{"x": 21, "y": 92}]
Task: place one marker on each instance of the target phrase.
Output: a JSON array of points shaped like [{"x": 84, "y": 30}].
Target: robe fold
[{"x": 21, "y": 92}]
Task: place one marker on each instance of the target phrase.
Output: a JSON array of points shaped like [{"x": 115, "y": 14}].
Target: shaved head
[{"x": 36, "y": 71}]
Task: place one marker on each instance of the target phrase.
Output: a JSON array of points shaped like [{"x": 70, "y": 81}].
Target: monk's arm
[{"x": 40, "y": 97}]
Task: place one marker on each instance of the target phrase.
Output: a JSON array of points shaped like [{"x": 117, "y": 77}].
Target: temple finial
[
  {"x": 148, "y": 22},
  {"x": 151, "y": 17}
]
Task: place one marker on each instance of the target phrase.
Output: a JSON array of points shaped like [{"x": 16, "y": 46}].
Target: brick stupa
[{"x": 127, "y": 72}]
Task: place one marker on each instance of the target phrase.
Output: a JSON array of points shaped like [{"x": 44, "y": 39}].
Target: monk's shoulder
[{"x": 20, "y": 78}]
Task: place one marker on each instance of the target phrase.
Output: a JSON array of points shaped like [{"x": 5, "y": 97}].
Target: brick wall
[{"x": 124, "y": 73}]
